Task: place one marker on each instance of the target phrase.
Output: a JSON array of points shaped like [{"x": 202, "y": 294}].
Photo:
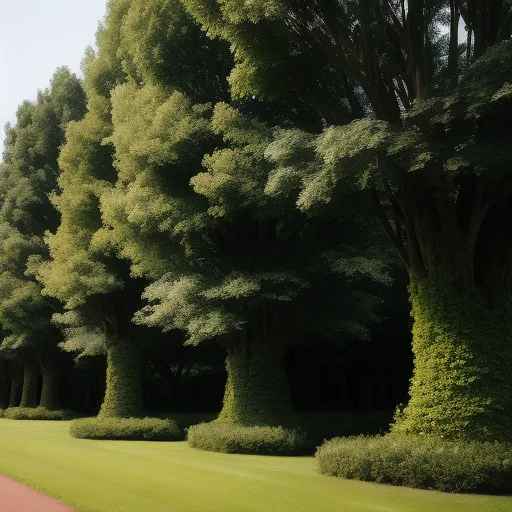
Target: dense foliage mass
[
  {"x": 224, "y": 438},
  {"x": 422, "y": 462},
  {"x": 37, "y": 413},
  {"x": 135, "y": 429},
  {"x": 226, "y": 177}
]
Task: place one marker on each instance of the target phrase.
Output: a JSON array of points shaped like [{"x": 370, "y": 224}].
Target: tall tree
[
  {"x": 28, "y": 176},
  {"x": 229, "y": 263},
  {"x": 96, "y": 286},
  {"x": 434, "y": 154}
]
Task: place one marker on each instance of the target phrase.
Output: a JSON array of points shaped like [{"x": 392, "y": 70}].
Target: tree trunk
[
  {"x": 257, "y": 390},
  {"x": 30, "y": 374},
  {"x": 5, "y": 384},
  {"x": 16, "y": 377},
  {"x": 50, "y": 390},
  {"x": 461, "y": 386},
  {"x": 124, "y": 396}
]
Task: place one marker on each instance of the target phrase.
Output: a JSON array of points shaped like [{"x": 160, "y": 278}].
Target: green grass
[{"x": 133, "y": 476}]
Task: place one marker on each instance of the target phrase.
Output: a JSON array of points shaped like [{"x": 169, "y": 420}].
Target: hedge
[
  {"x": 37, "y": 413},
  {"x": 137, "y": 429},
  {"x": 220, "y": 437},
  {"x": 421, "y": 462}
]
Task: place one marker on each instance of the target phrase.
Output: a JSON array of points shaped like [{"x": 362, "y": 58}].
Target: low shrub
[
  {"x": 136, "y": 429},
  {"x": 420, "y": 462},
  {"x": 220, "y": 437},
  {"x": 38, "y": 413}
]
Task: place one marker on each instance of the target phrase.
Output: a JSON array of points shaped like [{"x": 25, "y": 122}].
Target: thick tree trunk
[
  {"x": 16, "y": 377},
  {"x": 5, "y": 384},
  {"x": 30, "y": 374},
  {"x": 257, "y": 390},
  {"x": 124, "y": 392},
  {"x": 50, "y": 390},
  {"x": 461, "y": 386}
]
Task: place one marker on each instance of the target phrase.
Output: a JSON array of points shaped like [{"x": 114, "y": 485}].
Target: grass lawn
[{"x": 128, "y": 476}]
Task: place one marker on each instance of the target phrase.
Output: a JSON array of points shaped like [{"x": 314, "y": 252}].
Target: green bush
[
  {"x": 219, "y": 437},
  {"x": 420, "y": 462},
  {"x": 38, "y": 413},
  {"x": 136, "y": 429}
]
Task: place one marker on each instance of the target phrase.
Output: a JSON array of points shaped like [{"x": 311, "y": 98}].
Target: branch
[{"x": 399, "y": 246}]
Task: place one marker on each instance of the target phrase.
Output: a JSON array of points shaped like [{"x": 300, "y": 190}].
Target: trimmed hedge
[
  {"x": 37, "y": 413},
  {"x": 420, "y": 462},
  {"x": 136, "y": 429},
  {"x": 220, "y": 437}
]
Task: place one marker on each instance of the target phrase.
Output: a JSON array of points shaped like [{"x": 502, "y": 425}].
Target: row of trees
[{"x": 227, "y": 190}]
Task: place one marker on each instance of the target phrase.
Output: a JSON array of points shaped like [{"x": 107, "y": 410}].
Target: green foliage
[
  {"x": 261, "y": 41},
  {"x": 123, "y": 395},
  {"x": 461, "y": 385},
  {"x": 37, "y": 413},
  {"x": 241, "y": 249},
  {"x": 134, "y": 429},
  {"x": 161, "y": 43},
  {"x": 320, "y": 169},
  {"x": 423, "y": 462},
  {"x": 78, "y": 270},
  {"x": 220, "y": 437},
  {"x": 27, "y": 176}
]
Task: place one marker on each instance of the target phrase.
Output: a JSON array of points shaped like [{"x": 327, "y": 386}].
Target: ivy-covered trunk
[
  {"x": 50, "y": 389},
  {"x": 124, "y": 391},
  {"x": 461, "y": 385},
  {"x": 257, "y": 390},
  {"x": 29, "y": 392}
]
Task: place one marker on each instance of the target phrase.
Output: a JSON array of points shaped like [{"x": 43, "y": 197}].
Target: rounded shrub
[
  {"x": 225, "y": 438},
  {"x": 38, "y": 413},
  {"x": 136, "y": 429},
  {"x": 422, "y": 462}
]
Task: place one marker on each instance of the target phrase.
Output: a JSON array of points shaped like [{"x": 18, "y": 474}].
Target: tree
[
  {"x": 432, "y": 150},
  {"x": 228, "y": 262},
  {"x": 95, "y": 287},
  {"x": 99, "y": 293},
  {"x": 28, "y": 176}
]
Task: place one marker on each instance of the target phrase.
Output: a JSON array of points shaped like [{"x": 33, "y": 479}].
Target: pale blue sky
[{"x": 36, "y": 37}]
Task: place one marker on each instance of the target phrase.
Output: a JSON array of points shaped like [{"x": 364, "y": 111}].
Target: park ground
[{"x": 126, "y": 476}]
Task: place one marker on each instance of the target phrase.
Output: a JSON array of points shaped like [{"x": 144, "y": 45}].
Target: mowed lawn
[{"x": 122, "y": 476}]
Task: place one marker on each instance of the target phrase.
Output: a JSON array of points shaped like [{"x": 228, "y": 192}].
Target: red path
[{"x": 15, "y": 497}]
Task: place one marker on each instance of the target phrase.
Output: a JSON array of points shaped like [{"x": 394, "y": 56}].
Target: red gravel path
[{"x": 15, "y": 497}]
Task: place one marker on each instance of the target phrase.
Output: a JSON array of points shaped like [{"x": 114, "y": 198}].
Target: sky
[{"x": 37, "y": 37}]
